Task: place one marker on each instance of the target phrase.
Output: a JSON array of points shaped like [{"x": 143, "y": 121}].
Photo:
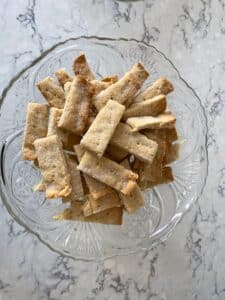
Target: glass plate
[{"x": 164, "y": 205}]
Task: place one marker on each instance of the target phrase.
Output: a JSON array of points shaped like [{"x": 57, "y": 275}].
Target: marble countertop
[{"x": 190, "y": 265}]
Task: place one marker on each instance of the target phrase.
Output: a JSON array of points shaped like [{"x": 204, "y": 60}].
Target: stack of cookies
[{"x": 100, "y": 143}]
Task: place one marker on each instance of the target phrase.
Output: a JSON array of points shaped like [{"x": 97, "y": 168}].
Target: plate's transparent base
[{"x": 164, "y": 205}]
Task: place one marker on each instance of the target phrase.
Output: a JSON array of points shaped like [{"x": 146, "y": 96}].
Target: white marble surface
[{"x": 191, "y": 263}]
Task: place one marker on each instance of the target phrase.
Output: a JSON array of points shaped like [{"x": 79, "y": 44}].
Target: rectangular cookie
[
  {"x": 94, "y": 206},
  {"x": 81, "y": 67},
  {"x": 123, "y": 89},
  {"x": 165, "y": 134},
  {"x": 52, "y": 92},
  {"x": 100, "y": 85},
  {"x": 172, "y": 153},
  {"x": 134, "y": 142},
  {"x": 53, "y": 129},
  {"x": 76, "y": 110},
  {"x": 77, "y": 192},
  {"x": 150, "y": 107},
  {"x": 96, "y": 188},
  {"x": 101, "y": 130},
  {"x": 135, "y": 200},
  {"x": 36, "y": 127},
  {"x": 113, "y": 216},
  {"x": 153, "y": 172},
  {"x": 63, "y": 77},
  {"x": 53, "y": 166},
  {"x": 167, "y": 177},
  {"x": 108, "y": 172},
  {"x": 160, "y": 86},
  {"x": 66, "y": 87},
  {"x": 166, "y": 120}
]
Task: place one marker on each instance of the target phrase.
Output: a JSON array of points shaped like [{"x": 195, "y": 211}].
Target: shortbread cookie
[
  {"x": 77, "y": 192},
  {"x": 81, "y": 67},
  {"x": 53, "y": 166},
  {"x": 166, "y": 120},
  {"x": 134, "y": 142},
  {"x": 76, "y": 110},
  {"x": 108, "y": 172},
  {"x": 150, "y": 107},
  {"x": 53, "y": 129},
  {"x": 63, "y": 77},
  {"x": 101, "y": 130},
  {"x": 123, "y": 89},
  {"x": 96, "y": 188},
  {"x": 113, "y": 216},
  {"x": 94, "y": 206},
  {"x": 36, "y": 127},
  {"x": 135, "y": 200},
  {"x": 52, "y": 92},
  {"x": 160, "y": 86}
]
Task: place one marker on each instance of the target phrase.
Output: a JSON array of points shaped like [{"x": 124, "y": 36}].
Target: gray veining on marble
[{"x": 191, "y": 264}]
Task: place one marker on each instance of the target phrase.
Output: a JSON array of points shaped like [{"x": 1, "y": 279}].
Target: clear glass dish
[{"x": 165, "y": 205}]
